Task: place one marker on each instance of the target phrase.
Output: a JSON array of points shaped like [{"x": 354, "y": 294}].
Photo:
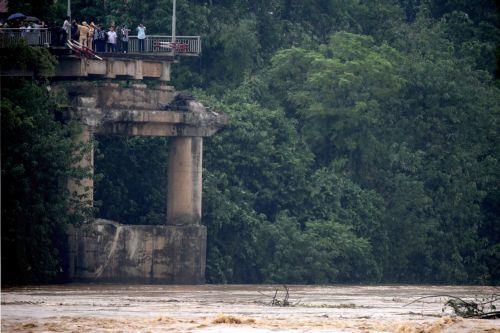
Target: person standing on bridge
[
  {"x": 74, "y": 31},
  {"x": 112, "y": 39},
  {"x": 95, "y": 37},
  {"x": 90, "y": 36},
  {"x": 124, "y": 39},
  {"x": 66, "y": 30},
  {"x": 25, "y": 29},
  {"x": 83, "y": 29},
  {"x": 99, "y": 39},
  {"x": 141, "y": 36}
]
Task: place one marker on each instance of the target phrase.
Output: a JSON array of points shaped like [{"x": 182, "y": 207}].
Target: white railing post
[{"x": 174, "y": 40}]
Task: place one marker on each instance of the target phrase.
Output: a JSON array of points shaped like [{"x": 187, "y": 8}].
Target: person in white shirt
[
  {"x": 25, "y": 28},
  {"x": 67, "y": 29},
  {"x": 141, "y": 36},
  {"x": 112, "y": 39}
]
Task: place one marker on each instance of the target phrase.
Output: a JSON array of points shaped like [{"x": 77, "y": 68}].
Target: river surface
[{"x": 237, "y": 308}]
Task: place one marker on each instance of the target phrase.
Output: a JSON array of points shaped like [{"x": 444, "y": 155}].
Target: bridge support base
[{"x": 107, "y": 251}]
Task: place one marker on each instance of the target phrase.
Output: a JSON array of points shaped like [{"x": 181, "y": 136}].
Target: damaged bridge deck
[{"x": 139, "y": 110}]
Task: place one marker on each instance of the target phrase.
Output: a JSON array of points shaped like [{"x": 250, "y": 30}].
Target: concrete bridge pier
[
  {"x": 184, "y": 181},
  {"x": 175, "y": 252}
]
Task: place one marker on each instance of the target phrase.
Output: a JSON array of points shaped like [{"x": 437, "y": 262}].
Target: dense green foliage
[
  {"x": 36, "y": 164},
  {"x": 134, "y": 190},
  {"x": 36, "y": 59},
  {"x": 363, "y": 143}
]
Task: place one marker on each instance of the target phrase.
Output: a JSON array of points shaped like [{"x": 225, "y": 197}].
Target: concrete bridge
[
  {"x": 174, "y": 252},
  {"x": 105, "y": 103},
  {"x": 153, "y": 63}
]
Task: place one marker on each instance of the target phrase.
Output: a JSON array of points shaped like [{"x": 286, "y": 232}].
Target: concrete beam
[
  {"x": 135, "y": 110},
  {"x": 111, "y": 95},
  {"x": 113, "y": 67},
  {"x": 158, "y": 123}
]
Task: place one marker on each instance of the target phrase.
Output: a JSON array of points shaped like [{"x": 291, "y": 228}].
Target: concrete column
[
  {"x": 110, "y": 69},
  {"x": 184, "y": 181},
  {"x": 138, "y": 70},
  {"x": 165, "y": 71},
  {"x": 83, "y": 67},
  {"x": 82, "y": 191}
]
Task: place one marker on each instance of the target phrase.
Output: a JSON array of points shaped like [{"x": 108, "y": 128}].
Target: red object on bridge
[
  {"x": 178, "y": 47},
  {"x": 82, "y": 50}
]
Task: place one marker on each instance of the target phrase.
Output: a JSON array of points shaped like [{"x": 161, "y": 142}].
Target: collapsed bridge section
[{"x": 175, "y": 252}]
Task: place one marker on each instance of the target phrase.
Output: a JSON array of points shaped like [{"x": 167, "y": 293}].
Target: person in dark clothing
[
  {"x": 94, "y": 38},
  {"x": 75, "y": 35},
  {"x": 100, "y": 39},
  {"x": 104, "y": 39},
  {"x": 124, "y": 39},
  {"x": 56, "y": 35}
]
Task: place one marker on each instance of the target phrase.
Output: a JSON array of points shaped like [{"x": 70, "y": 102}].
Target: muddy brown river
[{"x": 236, "y": 308}]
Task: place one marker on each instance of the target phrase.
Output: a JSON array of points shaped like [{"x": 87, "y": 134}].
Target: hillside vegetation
[{"x": 363, "y": 144}]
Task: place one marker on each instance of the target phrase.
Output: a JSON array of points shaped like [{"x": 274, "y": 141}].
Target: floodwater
[{"x": 237, "y": 308}]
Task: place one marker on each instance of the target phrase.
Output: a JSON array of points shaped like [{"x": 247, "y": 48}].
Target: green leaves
[
  {"x": 36, "y": 164},
  {"x": 322, "y": 252},
  {"x": 18, "y": 55},
  {"x": 363, "y": 142},
  {"x": 132, "y": 186}
]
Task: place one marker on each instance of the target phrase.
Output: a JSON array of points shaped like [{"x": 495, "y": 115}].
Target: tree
[
  {"x": 131, "y": 182},
  {"x": 36, "y": 164}
]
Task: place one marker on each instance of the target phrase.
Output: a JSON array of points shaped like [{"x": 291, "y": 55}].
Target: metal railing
[
  {"x": 32, "y": 36},
  {"x": 184, "y": 45}
]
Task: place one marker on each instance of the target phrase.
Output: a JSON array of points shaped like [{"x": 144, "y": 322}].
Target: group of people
[
  {"x": 99, "y": 39},
  {"x": 30, "y": 30},
  {"x": 24, "y": 25},
  {"x": 93, "y": 36}
]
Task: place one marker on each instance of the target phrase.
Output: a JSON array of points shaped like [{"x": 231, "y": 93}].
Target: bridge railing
[
  {"x": 32, "y": 36},
  {"x": 158, "y": 44},
  {"x": 184, "y": 45}
]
